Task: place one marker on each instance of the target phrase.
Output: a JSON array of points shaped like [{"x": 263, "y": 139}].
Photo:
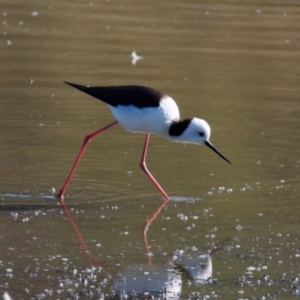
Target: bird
[{"x": 141, "y": 109}]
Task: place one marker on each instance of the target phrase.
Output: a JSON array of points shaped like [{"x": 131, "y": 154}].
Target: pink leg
[
  {"x": 147, "y": 225},
  {"x": 144, "y": 167},
  {"x": 85, "y": 141},
  {"x": 81, "y": 242}
]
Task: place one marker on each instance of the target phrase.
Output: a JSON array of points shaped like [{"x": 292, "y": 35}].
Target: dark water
[{"x": 232, "y": 64}]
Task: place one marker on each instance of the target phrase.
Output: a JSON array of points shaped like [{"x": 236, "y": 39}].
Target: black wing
[{"x": 139, "y": 96}]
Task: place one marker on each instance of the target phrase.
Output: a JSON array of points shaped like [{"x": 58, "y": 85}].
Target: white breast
[{"x": 147, "y": 120}]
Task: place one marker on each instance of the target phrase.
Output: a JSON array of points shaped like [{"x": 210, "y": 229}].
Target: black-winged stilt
[{"x": 145, "y": 110}]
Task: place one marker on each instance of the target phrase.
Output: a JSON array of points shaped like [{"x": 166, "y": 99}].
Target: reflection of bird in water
[
  {"x": 145, "y": 110},
  {"x": 197, "y": 268},
  {"x": 135, "y": 57},
  {"x": 6, "y": 296},
  {"x": 165, "y": 280},
  {"x": 138, "y": 280}
]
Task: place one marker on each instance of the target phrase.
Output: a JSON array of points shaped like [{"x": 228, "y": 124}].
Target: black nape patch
[
  {"x": 178, "y": 127},
  {"x": 139, "y": 96}
]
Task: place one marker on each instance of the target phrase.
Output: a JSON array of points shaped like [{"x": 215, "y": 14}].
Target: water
[{"x": 234, "y": 65}]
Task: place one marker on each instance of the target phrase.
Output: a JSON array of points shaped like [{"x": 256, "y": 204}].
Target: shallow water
[{"x": 232, "y": 64}]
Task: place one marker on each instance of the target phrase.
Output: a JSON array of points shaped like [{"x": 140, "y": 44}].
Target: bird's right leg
[
  {"x": 85, "y": 142},
  {"x": 161, "y": 206},
  {"x": 144, "y": 168},
  {"x": 147, "y": 225}
]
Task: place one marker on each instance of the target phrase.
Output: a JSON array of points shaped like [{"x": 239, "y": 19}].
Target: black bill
[{"x": 212, "y": 147}]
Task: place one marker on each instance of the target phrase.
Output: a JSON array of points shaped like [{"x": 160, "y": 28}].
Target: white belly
[{"x": 147, "y": 120}]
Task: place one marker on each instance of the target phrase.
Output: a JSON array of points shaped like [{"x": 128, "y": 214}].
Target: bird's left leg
[{"x": 84, "y": 144}]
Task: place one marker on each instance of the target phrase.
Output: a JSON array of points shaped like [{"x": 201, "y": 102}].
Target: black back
[{"x": 139, "y": 96}]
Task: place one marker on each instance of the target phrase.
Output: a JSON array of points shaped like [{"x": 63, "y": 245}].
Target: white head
[
  {"x": 194, "y": 131},
  {"x": 197, "y": 132}
]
